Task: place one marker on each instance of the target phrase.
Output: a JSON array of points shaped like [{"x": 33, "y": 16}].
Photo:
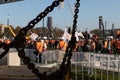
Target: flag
[
  {"x": 80, "y": 35},
  {"x": 33, "y": 36},
  {"x": 76, "y": 35},
  {"x": 66, "y": 35}
]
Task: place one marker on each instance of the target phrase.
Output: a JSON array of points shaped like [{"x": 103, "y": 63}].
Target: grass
[{"x": 97, "y": 74}]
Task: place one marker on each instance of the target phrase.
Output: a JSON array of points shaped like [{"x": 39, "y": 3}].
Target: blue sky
[{"x": 24, "y": 11}]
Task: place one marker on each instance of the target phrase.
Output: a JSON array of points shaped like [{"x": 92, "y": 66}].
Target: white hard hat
[
  {"x": 45, "y": 37},
  {"x": 62, "y": 38}
]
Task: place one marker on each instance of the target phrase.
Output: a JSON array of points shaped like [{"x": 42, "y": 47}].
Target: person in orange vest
[
  {"x": 76, "y": 46},
  {"x": 62, "y": 45},
  {"x": 51, "y": 42},
  {"x": 105, "y": 45},
  {"x": 7, "y": 41},
  {"x": 116, "y": 45},
  {"x": 45, "y": 43},
  {"x": 93, "y": 45},
  {"x": 39, "y": 50}
]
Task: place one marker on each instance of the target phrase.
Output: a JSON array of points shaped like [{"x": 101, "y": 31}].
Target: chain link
[
  {"x": 71, "y": 43},
  {"x": 19, "y": 44}
]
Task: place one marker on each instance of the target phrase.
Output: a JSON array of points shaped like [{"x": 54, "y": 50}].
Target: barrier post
[{"x": 13, "y": 59}]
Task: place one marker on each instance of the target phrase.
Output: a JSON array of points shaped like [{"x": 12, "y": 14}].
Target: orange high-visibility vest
[
  {"x": 118, "y": 45},
  {"x": 76, "y": 47},
  {"x": 62, "y": 45},
  {"x": 105, "y": 44},
  {"x": 39, "y": 46},
  {"x": 93, "y": 45},
  {"x": 7, "y": 41}
]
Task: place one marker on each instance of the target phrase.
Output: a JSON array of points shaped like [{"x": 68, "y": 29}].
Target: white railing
[
  {"x": 93, "y": 65},
  {"x": 99, "y": 61}
]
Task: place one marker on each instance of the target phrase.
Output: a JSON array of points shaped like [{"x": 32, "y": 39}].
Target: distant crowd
[
  {"x": 88, "y": 44},
  {"x": 95, "y": 45}
]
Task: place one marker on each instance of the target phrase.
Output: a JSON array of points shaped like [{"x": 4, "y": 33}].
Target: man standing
[
  {"x": 39, "y": 49},
  {"x": 62, "y": 45}
]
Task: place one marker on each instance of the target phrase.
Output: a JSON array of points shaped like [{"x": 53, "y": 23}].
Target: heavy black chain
[
  {"x": 71, "y": 43},
  {"x": 19, "y": 44}
]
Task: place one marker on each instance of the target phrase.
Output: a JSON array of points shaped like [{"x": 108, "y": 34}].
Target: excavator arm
[{"x": 11, "y": 30}]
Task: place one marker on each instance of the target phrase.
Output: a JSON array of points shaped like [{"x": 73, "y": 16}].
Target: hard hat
[{"x": 44, "y": 37}]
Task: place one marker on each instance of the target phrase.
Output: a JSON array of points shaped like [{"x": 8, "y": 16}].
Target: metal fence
[
  {"x": 89, "y": 66},
  {"x": 85, "y": 65}
]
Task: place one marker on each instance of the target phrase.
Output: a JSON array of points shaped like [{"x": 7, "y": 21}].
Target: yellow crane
[
  {"x": 11, "y": 30},
  {"x": 13, "y": 33}
]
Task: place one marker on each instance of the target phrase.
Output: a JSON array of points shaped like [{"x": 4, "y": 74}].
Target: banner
[{"x": 33, "y": 36}]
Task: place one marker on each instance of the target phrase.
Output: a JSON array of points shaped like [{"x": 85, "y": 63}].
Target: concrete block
[{"x": 13, "y": 59}]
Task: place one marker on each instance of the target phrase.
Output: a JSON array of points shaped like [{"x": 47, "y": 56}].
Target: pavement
[{"x": 21, "y": 72}]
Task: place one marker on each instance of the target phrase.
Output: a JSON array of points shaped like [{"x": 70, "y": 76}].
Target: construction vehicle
[{"x": 11, "y": 30}]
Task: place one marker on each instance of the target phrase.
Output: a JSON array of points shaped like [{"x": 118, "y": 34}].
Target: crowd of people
[
  {"x": 93, "y": 44},
  {"x": 82, "y": 45}
]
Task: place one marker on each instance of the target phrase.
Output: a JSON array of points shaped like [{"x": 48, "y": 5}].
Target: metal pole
[
  {"x": 107, "y": 67},
  {"x": 101, "y": 69},
  {"x": 103, "y": 31},
  {"x": 118, "y": 68},
  {"x": 94, "y": 65},
  {"x": 113, "y": 73},
  {"x": 8, "y": 17},
  {"x": 113, "y": 31},
  {"x": 82, "y": 72},
  {"x": 75, "y": 67},
  {"x": 105, "y": 25}
]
